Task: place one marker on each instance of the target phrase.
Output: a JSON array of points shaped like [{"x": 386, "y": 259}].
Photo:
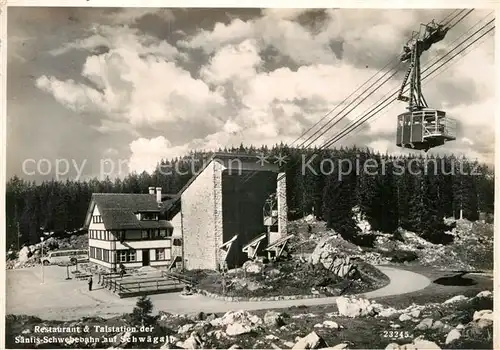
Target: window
[
  {"x": 148, "y": 216},
  {"x": 166, "y": 232},
  {"x": 126, "y": 255},
  {"x": 144, "y": 234},
  {"x": 160, "y": 254},
  {"x": 99, "y": 254},
  {"x": 97, "y": 219}
]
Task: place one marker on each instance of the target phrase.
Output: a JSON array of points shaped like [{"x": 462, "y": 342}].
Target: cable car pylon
[{"x": 421, "y": 127}]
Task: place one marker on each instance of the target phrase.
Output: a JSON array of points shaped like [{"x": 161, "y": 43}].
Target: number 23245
[{"x": 396, "y": 334}]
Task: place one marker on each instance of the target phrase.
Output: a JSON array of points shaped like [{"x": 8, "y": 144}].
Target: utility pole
[
  {"x": 43, "y": 277},
  {"x": 18, "y": 234}
]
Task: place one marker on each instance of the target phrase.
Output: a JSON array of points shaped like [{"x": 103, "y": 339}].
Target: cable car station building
[{"x": 206, "y": 225}]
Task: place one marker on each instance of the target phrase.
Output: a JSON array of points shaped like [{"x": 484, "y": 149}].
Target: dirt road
[{"x": 59, "y": 299}]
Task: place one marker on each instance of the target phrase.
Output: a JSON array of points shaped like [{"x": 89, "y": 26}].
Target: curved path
[{"x": 71, "y": 300}]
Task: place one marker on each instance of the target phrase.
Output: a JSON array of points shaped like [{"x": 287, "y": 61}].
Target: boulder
[
  {"x": 310, "y": 341},
  {"x": 253, "y": 286},
  {"x": 422, "y": 344},
  {"x": 24, "y": 254},
  {"x": 483, "y": 314},
  {"x": 238, "y": 328},
  {"x": 456, "y": 299},
  {"x": 273, "y": 319},
  {"x": 484, "y": 294},
  {"x": 453, "y": 335},
  {"x": 387, "y": 312},
  {"x": 425, "y": 324},
  {"x": 405, "y": 317},
  {"x": 202, "y": 326},
  {"x": 438, "y": 325},
  {"x": 185, "y": 328},
  {"x": 271, "y": 337},
  {"x": 335, "y": 255},
  {"x": 392, "y": 346},
  {"x": 193, "y": 342},
  {"x": 253, "y": 266},
  {"x": 415, "y": 313},
  {"x": 236, "y": 316},
  {"x": 352, "y": 307},
  {"x": 331, "y": 324}
]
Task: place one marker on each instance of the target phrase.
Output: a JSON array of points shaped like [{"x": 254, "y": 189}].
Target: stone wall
[
  {"x": 201, "y": 221},
  {"x": 218, "y": 222},
  {"x": 282, "y": 205}
]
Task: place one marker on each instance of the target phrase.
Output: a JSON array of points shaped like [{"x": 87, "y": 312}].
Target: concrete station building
[{"x": 210, "y": 223}]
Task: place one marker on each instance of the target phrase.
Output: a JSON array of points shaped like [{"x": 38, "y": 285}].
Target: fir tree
[{"x": 142, "y": 313}]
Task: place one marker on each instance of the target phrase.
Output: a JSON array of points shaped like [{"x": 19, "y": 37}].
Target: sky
[{"x": 108, "y": 91}]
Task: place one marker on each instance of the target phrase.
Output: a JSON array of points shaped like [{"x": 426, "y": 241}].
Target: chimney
[
  {"x": 151, "y": 190},
  {"x": 158, "y": 194}
]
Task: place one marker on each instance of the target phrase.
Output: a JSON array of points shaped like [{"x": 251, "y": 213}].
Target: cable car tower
[{"x": 421, "y": 127}]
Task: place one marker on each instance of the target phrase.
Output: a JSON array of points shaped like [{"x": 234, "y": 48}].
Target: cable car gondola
[{"x": 421, "y": 127}]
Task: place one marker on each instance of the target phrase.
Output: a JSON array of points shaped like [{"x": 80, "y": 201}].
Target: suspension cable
[
  {"x": 431, "y": 78},
  {"x": 325, "y": 128},
  {"x": 359, "y": 88},
  {"x": 445, "y": 69},
  {"x": 341, "y": 103},
  {"x": 369, "y": 115},
  {"x": 453, "y": 42}
]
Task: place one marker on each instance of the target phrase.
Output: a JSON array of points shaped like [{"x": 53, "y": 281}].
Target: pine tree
[
  {"x": 338, "y": 204},
  {"x": 142, "y": 313}
]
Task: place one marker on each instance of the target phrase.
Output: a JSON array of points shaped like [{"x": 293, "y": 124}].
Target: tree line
[{"x": 411, "y": 192}]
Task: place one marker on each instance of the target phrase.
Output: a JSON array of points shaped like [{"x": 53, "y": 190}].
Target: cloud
[
  {"x": 135, "y": 82},
  {"x": 132, "y": 15},
  {"x": 233, "y": 95},
  {"x": 146, "y": 153},
  {"x": 232, "y": 62},
  {"x": 283, "y": 13},
  {"x": 222, "y": 34},
  {"x": 119, "y": 37}
]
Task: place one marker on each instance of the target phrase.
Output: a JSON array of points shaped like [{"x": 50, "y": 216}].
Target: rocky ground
[
  {"x": 327, "y": 272},
  {"x": 453, "y": 312},
  {"x": 459, "y": 322},
  {"x": 471, "y": 249}
]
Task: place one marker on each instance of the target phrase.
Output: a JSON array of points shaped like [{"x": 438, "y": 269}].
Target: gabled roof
[
  {"x": 251, "y": 164},
  {"x": 130, "y": 201},
  {"x": 118, "y": 210}
]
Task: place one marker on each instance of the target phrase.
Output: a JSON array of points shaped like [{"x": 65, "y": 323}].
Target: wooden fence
[{"x": 128, "y": 286}]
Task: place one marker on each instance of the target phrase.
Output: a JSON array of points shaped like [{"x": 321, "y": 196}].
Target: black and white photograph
[{"x": 249, "y": 178}]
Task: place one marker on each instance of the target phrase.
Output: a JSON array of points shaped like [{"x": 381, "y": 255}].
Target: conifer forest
[{"x": 411, "y": 192}]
